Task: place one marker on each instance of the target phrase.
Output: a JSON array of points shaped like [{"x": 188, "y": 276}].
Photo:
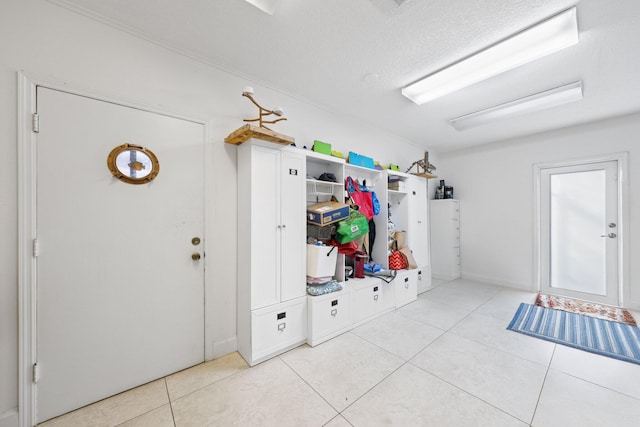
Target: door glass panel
[{"x": 578, "y": 209}]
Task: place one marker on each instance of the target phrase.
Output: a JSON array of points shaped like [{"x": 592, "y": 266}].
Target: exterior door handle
[{"x": 610, "y": 235}]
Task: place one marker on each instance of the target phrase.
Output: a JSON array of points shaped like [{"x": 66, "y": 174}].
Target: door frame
[
  {"x": 27, "y": 230},
  {"x": 622, "y": 160}
]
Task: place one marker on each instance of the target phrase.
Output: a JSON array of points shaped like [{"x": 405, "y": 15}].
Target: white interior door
[
  {"x": 579, "y": 231},
  {"x": 120, "y": 301}
]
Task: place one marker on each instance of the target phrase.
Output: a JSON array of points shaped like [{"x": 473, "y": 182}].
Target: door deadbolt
[
  {"x": 195, "y": 256},
  {"x": 612, "y": 225},
  {"x": 195, "y": 241}
]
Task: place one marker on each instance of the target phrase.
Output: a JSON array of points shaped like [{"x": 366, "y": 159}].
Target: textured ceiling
[{"x": 321, "y": 50}]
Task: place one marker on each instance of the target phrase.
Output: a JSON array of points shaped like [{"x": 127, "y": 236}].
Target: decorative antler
[
  {"x": 263, "y": 112},
  {"x": 427, "y": 167}
]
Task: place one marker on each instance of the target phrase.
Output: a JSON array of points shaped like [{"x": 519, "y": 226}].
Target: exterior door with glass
[{"x": 579, "y": 225}]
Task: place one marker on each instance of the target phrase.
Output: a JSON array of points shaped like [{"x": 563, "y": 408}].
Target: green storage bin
[{"x": 322, "y": 147}]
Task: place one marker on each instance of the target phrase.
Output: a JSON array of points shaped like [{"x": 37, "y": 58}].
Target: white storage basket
[{"x": 321, "y": 260}]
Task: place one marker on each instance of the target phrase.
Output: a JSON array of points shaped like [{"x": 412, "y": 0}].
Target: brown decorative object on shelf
[
  {"x": 247, "y": 131},
  {"x": 262, "y": 112},
  {"x": 423, "y": 167}
]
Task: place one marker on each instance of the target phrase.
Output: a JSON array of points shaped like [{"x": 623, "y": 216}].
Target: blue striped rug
[{"x": 604, "y": 337}]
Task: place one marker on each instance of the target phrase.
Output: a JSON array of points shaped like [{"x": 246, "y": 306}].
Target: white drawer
[
  {"x": 278, "y": 327},
  {"x": 370, "y": 297},
  {"x": 406, "y": 287},
  {"x": 328, "y": 314}
]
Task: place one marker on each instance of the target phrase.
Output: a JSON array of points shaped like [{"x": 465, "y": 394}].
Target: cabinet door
[
  {"x": 293, "y": 220},
  {"x": 264, "y": 261},
  {"x": 418, "y": 220}
]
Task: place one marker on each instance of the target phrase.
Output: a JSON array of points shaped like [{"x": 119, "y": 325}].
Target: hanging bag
[
  {"x": 351, "y": 228},
  {"x": 348, "y": 248},
  {"x": 361, "y": 198},
  {"x": 374, "y": 198},
  {"x": 397, "y": 260}
]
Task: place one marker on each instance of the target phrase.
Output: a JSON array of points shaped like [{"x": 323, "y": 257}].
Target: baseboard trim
[
  {"x": 498, "y": 281},
  {"x": 447, "y": 277},
  {"x": 632, "y": 305},
  {"x": 9, "y": 418},
  {"x": 222, "y": 348}
]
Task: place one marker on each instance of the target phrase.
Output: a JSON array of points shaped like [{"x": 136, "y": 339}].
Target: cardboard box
[
  {"x": 327, "y": 213},
  {"x": 397, "y": 185}
]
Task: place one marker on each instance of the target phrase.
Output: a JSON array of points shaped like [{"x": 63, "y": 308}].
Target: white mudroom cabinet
[
  {"x": 445, "y": 238},
  {"x": 276, "y": 183},
  {"x": 272, "y": 305}
]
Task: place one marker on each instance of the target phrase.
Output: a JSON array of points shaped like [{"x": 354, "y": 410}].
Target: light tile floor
[{"x": 443, "y": 360}]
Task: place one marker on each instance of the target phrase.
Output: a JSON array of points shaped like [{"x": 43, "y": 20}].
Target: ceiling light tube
[
  {"x": 539, "y": 101},
  {"x": 544, "y": 38},
  {"x": 267, "y": 6}
]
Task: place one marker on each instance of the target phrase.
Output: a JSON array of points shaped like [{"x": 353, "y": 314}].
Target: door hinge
[
  {"x": 36, "y": 247},
  {"x": 35, "y": 122},
  {"x": 36, "y": 372}
]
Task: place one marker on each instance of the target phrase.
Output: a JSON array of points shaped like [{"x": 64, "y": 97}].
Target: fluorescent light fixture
[
  {"x": 542, "y": 39},
  {"x": 539, "y": 101},
  {"x": 267, "y": 6}
]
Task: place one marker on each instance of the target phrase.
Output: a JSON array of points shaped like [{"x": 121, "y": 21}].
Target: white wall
[
  {"x": 495, "y": 186},
  {"x": 49, "y": 42}
]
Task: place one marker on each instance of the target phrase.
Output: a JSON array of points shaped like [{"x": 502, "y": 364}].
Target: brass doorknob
[{"x": 195, "y": 256}]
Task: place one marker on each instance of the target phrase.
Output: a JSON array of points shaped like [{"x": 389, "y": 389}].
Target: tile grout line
[
  {"x": 404, "y": 362},
  {"x": 468, "y": 393},
  {"x": 395, "y": 355},
  {"x": 209, "y": 384},
  {"x": 487, "y": 345},
  {"x": 338, "y": 415},
  {"x": 310, "y": 386},
  {"x": 496, "y": 348},
  {"x": 375, "y": 385},
  {"x": 448, "y": 331},
  {"x": 596, "y": 384},
  {"x": 535, "y": 410},
  {"x": 166, "y": 387}
]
